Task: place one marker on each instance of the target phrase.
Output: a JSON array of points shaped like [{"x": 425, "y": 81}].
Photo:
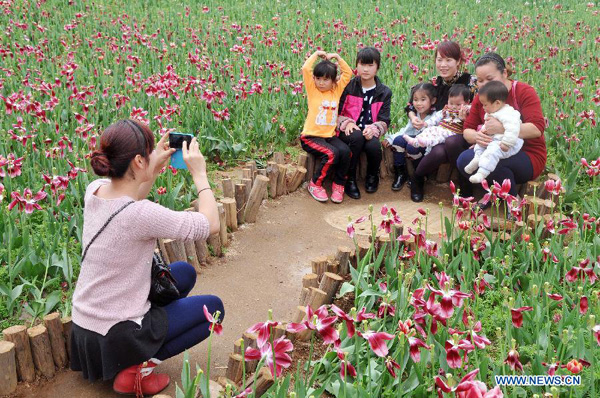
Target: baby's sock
[
  {"x": 478, "y": 177},
  {"x": 472, "y": 166},
  {"x": 411, "y": 141}
]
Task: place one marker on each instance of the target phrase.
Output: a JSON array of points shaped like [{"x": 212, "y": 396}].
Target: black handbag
[{"x": 163, "y": 287}]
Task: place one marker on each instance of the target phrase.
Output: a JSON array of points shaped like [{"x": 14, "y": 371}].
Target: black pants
[
  {"x": 518, "y": 169},
  {"x": 334, "y": 156},
  {"x": 358, "y": 143}
]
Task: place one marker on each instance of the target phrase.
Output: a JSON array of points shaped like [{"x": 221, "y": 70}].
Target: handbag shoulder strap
[{"x": 104, "y": 226}]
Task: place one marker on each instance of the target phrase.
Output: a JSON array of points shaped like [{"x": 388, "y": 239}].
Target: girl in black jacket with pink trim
[{"x": 363, "y": 118}]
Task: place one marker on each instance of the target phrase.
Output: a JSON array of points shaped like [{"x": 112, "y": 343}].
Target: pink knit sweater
[{"x": 114, "y": 281}]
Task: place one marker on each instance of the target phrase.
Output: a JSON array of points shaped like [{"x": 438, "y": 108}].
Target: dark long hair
[{"x": 119, "y": 145}]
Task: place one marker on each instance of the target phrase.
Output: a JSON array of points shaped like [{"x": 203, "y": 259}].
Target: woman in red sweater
[{"x": 527, "y": 164}]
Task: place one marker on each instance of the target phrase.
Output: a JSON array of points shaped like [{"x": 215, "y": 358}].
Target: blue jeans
[
  {"x": 518, "y": 169},
  {"x": 401, "y": 148},
  {"x": 187, "y": 324}
]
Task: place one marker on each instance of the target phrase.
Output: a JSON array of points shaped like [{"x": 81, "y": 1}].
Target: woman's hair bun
[{"x": 100, "y": 164}]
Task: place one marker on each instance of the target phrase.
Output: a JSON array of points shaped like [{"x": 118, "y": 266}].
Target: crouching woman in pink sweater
[{"x": 116, "y": 330}]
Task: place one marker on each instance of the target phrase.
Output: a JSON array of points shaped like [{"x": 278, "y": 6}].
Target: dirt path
[{"x": 262, "y": 270}]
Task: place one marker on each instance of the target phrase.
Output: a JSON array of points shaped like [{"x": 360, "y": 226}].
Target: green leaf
[
  {"x": 347, "y": 287},
  {"x": 410, "y": 383}
]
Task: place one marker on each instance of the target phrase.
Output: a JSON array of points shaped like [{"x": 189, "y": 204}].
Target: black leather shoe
[
  {"x": 400, "y": 177},
  {"x": 372, "y": 183},
  {"x": 351, "y": 189},
  {"x": 417, "y": 188}
]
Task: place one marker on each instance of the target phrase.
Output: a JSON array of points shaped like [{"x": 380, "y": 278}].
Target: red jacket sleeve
[
  {"x": 476, "y": 115},
  {"x": 530, "y": 106}
]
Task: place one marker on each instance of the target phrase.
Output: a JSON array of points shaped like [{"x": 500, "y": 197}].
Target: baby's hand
[
  {"x": 504, "y": 147},
  {"x": 418, "y": 123},
  {"x": 463, "y": 112}
]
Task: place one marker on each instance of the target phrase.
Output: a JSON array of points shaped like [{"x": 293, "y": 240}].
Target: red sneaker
[
  {"x": 317, "y": 192},
  {"x": 139, "y": 380},
  {"x": 337, "y": 193}
]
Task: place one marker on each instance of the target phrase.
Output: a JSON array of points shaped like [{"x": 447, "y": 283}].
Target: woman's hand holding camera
[
  {"x": 161, "y": 154},
  {"x": 194, "y": 159}
]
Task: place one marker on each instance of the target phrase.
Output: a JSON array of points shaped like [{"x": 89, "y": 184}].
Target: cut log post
[
  {"x": 237, "y": 346},
  {"x": 302, "y": 159},
  {"x": 235, "y": 370},
  {"x": 57, "y": 339},
  {"x": 229, "y": 205},
  {"x": 222, "y": 224},
  {"x": 18, "y": 336},
  {"x": 310, "y": 169},
  {"x": 329, "y": 284},
  {"x": 228, "y": 191},
  {"x": 333, "y": 266},
  {"x": 279, "y": 158},
  {"x": 8, "y": 368},
  {"x": 388, "y": 160},
  {"x": 256, "y": 196},
  {"x": 281, "y": 180},
  {"x": 214, "y": 241},
  {"x": 383, "y": 241},
  {"x": 279, "y": 331},
  {"x": 536, "y": 205},
  {"x": 363, "y": 248},
  {"x": 383, "y": 171},
  {"x": 224, "y": 382},
  {"x": 300, "y": 314},
  {"x": 273, "y": 174},
  {"x": 240, "y": 201},
  {"x": 247, "y": 173},
  {"x": 41, "y": 350},
  {"x": 162, "y": 396},
  {"x": 248, "y": 183},
  {"x": 443, "y": 173},
  {"x": 310, "y": 280},
  {"x": 533, "y": 188},
  {"x": 175, "y": 250},
  {"x": 297, "y": 179},
  {"x": 264, "y": 381},
  {"x": 191, "y": 255},
  {"x": 303, "y": 296},
  {"x": 66, "y": 327},
  {"x": 163, "y": 251},
  {"x": 250, "y": 341},
  {"x": 263, "y": 172},
  {"x": 398, "y": 230},
  {"x": 362, "y": 166},
  {"x": 201, "y": 251},
  {"x": 343, "y": 258},
  {"x": 319, "y": 266},
  {"x": 316, "y": 298}
]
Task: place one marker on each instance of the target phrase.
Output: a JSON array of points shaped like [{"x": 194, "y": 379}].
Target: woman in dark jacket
[{"x": 448, "y": 62}]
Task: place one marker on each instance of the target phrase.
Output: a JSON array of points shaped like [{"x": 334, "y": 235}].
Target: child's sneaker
[
  {"x": 317, "y": 192},
  {"x": 337, "y": 193}
]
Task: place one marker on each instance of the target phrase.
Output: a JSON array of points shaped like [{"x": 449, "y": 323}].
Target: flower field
[{"x": 440, "y": 320}]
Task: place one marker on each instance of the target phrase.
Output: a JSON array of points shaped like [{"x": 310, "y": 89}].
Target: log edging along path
[{"x": 26, "y": 353}]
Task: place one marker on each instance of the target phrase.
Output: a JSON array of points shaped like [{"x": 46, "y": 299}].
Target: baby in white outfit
[{"x": 493, "y": 99}]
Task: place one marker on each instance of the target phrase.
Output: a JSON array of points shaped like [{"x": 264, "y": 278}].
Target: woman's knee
[
  {"x": 184, "y": 274},
  {"x": 214, "y": 304},
  {"x": 463, "y": 160}
]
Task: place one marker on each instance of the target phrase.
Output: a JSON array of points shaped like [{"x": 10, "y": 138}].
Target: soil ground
[{"x": 261, "y": 270}]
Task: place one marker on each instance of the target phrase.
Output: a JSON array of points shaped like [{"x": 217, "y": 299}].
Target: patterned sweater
[{"x": 114, "y": 281}]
